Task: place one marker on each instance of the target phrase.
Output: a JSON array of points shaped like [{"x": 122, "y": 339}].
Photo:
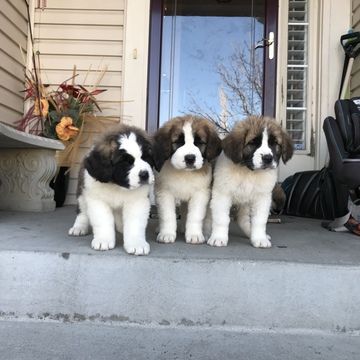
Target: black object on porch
[{"x": 343, "y": 139}]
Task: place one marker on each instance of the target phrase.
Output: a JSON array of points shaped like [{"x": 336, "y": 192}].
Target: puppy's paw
[
  {"x": 261, "y": 242},
  {"x": 101, "y": 244},
  {"x": 166, "y": 238},
  {"x": 195, "y": 238},
  {"x": 218, "y": 241},
  {"x": 78, "y": 231},
  {"x": 142, "y": 248}
]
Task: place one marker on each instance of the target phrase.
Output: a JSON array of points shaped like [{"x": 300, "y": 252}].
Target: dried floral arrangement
[{"x": 57, "y": 114}]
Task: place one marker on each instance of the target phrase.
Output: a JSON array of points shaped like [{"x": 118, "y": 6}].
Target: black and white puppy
[
  {"x": 245, "y": 175},
  {"x": 113, "y": 190},
  {"x": 183, "y": 149}
]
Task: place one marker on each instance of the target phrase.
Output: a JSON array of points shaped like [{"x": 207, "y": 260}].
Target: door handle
[
  {"x": 271, "y": 45},
  {"x": 268, "y": 42}
]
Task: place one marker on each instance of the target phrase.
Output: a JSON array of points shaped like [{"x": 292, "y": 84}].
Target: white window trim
[
  {"x": 329, "y": 19},
  {"x": 311, "y": 76}
]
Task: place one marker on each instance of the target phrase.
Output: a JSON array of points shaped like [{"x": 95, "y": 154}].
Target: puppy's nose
[
  {"x": 190, "y": 159},
  {"x": 144, "y": 176},
  {"x": 267, "y": 159}
]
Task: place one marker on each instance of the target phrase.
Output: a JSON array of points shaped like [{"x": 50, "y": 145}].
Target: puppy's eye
[
  {"x": 255, "y": 142},
  {"x": 198, "y": 141},
  {"x": 180, "y": 141},
  {"x": 272, "y": 141},
  {"x": 128, "y": 158}
]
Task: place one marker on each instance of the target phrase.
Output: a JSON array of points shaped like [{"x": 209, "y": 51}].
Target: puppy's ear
[
  {"x": 233, "y": 146},
  {"x": 98, "y": 166},
  {"x": 99, "y": 163},
  {"x": 213, "y": 147},
  {"x": 162, "y": 147},
  {"x": 287, "y": 147},
  {"x": 147, "y": 148}
]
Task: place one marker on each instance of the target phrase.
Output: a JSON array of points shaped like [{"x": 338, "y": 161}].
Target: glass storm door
[{"x": 216, "y": 59}]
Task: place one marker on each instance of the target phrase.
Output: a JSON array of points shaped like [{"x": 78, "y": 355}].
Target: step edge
[
  {"x": 174, "y": 259},
  {"x": 240, "y": 329}
]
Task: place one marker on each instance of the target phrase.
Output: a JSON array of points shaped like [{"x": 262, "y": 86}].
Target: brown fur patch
[
  {"x": 173, "y": 128},
  {"x": 245, "y": 131}
]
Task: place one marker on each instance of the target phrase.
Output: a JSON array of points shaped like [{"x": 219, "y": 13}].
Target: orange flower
[
  {"x": 65, "y": 129},
  {"x": 44, "y": 107}
]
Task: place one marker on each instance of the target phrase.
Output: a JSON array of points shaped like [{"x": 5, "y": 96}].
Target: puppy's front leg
[
  {"x": 102, "y": 221},
  {"x": 167, "y": 214},
  {"x": 135, "y": 219},
  {"x": 260, "y": 208},
  {"x": 195, "y": 217},
  {"x": 220, "y": 212}
]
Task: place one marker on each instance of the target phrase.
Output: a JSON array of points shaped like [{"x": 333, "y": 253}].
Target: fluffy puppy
[
  {"x": 245, "y": 175},
  {"x": 183, "y": 149},
  {"x": 113, "y": 190}
]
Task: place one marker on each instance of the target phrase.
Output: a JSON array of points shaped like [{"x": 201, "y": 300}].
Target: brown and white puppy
[
  {"x": 183, "y": 149},
  {"x": 245, "y": 175},
  {"x": 113, "y": 190}
]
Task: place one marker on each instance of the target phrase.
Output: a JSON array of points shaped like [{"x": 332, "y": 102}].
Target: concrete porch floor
[
  {"x": 59, "y": 299},
  {"x": 295, "y": 239}
]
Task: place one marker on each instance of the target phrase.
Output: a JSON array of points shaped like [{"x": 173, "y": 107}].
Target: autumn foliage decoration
[{"x": 57, "y": 114}]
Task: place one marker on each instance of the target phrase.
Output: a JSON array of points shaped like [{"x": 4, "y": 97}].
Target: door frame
[
  {"x": 154, "y": 63},
  {"x": 270, "y": 66}
]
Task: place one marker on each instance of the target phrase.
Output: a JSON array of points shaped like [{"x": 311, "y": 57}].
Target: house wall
[
  {"x": 13, "y": 36},
  {"x": 90, "y": 35},
  {"x": 355, "y": 75}
]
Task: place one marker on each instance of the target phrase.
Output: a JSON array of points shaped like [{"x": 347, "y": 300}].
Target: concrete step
[
  {"x": 46, "y": 340},
  {"x": 308, "y": 280}
]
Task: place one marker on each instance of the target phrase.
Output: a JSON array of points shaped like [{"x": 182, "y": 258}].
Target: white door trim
[{"x": 135, "y": 61}]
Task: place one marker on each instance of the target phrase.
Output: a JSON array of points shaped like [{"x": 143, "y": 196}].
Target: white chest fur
[
  {"x": 181, "y": 183},
  {"x": 241, "y": 183},
  {"x": 113, "y": 195}
]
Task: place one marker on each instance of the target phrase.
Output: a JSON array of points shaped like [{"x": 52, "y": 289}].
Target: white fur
[
  {"x": 106, "y": 205},
  {"x": 131, "y": 146},
  {"x": 172, "y": 186},
  {"x": 178, "y": 158},
  {"x": 251, "y": 190}
]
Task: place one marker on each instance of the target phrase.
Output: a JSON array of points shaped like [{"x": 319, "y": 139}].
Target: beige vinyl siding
[
  {"x": 355, "y": 75},
  {"x": 13, "y": 35},
  {"x": 88, "y": 34}
]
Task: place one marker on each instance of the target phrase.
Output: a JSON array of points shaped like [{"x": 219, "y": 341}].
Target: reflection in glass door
[{"x": 212, "y": 59}]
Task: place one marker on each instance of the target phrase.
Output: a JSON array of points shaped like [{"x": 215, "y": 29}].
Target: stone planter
[{"x": 27, "y": 165}]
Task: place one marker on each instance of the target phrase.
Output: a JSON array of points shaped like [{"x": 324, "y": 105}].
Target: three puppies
[
  {"x": 245, "y": 175},
  {"x": 113, "y": 190},
  {"x": 115, "y": 179},
  {"x": 183, "y": 150}
]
